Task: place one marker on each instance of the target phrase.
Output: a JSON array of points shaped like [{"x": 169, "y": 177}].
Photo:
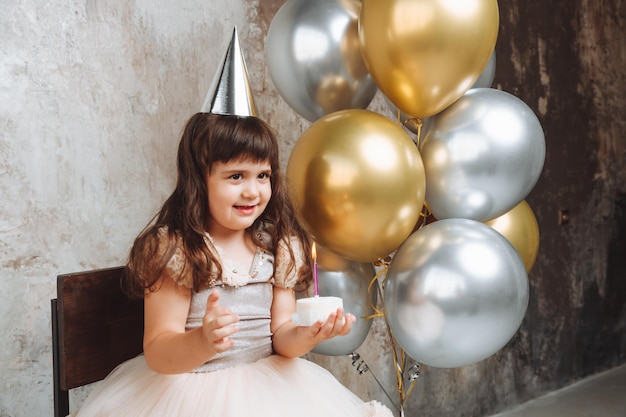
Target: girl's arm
[
  {"x": 167, "y": 347},
  {"x": 291, "y": 340}
]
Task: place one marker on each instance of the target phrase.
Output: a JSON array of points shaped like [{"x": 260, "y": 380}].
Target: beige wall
[{"x": 93, "y": 95}]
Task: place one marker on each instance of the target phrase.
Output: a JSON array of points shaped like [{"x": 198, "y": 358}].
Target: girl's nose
[{"x": 250, "y": 190}]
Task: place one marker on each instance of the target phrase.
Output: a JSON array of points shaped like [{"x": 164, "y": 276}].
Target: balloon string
[
  {"x": 381, "y": 272},
  {"x": 399, "y": 369},
  {"x": 418, "y": 123},
  {"x": 396, "y": 364},
  {"x": 413, "y": 378},
  {"x": 425, "y": 213},
  {"x": 361, "y": 368},
  {"x": 377, "y": 313},
  {"x": 394, "y": 352},
  {"x": 411, "y": 374},
  {"x": 399, "y": 364}
]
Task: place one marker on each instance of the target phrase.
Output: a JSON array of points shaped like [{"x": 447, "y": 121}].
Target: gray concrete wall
[{"x": 93, "y": 95}]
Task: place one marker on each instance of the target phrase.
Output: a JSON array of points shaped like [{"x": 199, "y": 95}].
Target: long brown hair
[{"x": 208, "y": 138}]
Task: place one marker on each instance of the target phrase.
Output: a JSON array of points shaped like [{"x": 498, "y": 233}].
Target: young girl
[{"x": 218, "y": 270}]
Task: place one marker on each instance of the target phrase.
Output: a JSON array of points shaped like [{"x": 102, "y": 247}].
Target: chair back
[{"x": 95, "y": 327}]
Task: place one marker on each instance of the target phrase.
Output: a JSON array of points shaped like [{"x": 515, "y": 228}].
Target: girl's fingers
[
  {"x": 219, "y": 323},
  {"x": 337, "y": 324},
  {"x": 212, "y": 301},
  {"x": 220, "y": 334},
  {"x": 349, "y": 319},
  {"x": 220, "y": 316}
]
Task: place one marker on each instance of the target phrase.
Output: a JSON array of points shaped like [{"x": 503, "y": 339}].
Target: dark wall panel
[{"x": 567, "y": 61}]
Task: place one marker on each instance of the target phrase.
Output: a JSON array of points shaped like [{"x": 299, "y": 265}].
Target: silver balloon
[
  {"x": 484, "y": 81},
  {"x": 482, "y": 156},
  {"x": 349, "y": 280},
  {"x": 456, "y": 292},
  {"x": 314, "y": 58},
  {"x": 489, "y": 73}
]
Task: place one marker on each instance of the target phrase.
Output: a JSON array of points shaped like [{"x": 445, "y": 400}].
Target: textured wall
[
  {"x": 93, "y": 95},
  {"x": 568, "y": 65}
]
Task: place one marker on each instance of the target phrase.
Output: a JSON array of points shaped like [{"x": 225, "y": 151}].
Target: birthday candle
[{"x": 314, "y": 254}]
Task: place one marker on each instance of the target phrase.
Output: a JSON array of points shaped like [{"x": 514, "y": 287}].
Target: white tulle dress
[{"x": 247, "y": 380}]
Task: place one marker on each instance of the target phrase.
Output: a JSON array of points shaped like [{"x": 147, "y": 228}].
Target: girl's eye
[
  {"x": 264, "y": 176},
  {"x": 236, "y": 176}
]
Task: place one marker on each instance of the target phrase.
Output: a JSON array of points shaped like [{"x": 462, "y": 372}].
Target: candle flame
[{"x": 314, "y": 252}]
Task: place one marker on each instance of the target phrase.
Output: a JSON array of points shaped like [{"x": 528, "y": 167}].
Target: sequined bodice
[{"x": 247, "y": 294}]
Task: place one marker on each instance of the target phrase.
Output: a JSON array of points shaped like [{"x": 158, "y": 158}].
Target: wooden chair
[{"x": 95, "y": 327}]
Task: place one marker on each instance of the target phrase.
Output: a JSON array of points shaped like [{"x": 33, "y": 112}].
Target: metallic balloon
[
  {"x": 519, "y": 226},
  {"x": 314, "y": 58},
  {"x": 456, "y": 292},
  {"x": 409, "y": 122},
  {"x": 340, "y": 277},
  {"x": 357, "y": 181},
  {"x": 489, "y": 73},
  {"x": 484, "y": 81},
  {"x": 482, "y": 156},
  {"x": 424, "y": 55},
  {"x": 352, "y": 6}
]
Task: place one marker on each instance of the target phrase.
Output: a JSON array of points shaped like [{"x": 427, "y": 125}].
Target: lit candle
[
  {"x": 314, "y": 255},
  {"x": 311, "y": 309}
]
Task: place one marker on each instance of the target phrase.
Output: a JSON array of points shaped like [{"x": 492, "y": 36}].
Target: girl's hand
[
  {"x": 289, "y": 339},
  {"x": 337, "y": 324},
  {"x": 218, "y": 324}
]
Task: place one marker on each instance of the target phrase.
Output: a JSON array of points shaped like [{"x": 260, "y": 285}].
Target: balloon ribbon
[{"x": 400, "y": 358}]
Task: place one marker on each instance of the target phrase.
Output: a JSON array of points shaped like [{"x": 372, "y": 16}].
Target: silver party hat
[{"x": 230, "y": 91}]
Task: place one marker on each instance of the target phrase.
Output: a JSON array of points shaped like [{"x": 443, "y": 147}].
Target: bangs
[
  {"x": 223, "y": 138},
  {"x": 247, "y": 140}
]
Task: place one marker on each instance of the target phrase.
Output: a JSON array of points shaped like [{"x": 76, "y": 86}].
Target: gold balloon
[
  {"x": 330, "y": 261},
  {"x": 425, "y": 54},
  {"x": 519, "y": 226},
  {"x": 352, "y": 6},
  {"x": 357, "y": 181}
]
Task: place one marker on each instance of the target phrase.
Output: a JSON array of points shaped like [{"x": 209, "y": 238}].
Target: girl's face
[{"x": 238, "y": 191}]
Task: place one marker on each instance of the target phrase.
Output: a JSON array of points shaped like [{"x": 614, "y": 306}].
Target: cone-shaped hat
[{"x": 230, "y": 91}]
